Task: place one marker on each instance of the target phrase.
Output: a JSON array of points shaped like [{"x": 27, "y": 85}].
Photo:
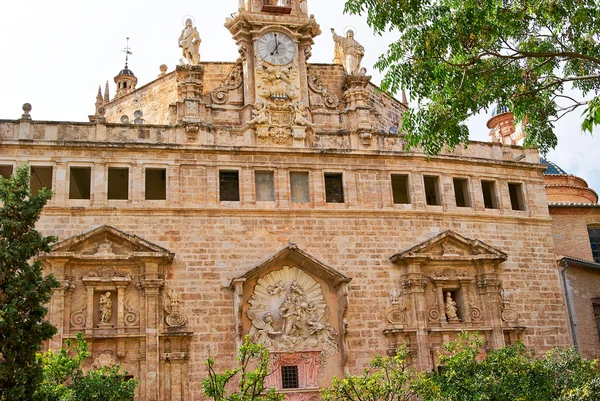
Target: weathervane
[{"x": 127, "y": 53}]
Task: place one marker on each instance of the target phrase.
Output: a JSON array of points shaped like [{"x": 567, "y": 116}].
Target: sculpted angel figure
[
  {"x": 298, "y": 108},
  {"x": 105, "y": 308},
  {"x": 451, "y": 308},
  {"x": 348, "y": 51},
  {"x": 260, "y": 113},
  {"x": 189, "y": 41},
  {"x": 262, "y": 328}
]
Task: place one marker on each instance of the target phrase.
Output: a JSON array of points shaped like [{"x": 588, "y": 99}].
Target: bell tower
[{"x": 274, "y": 39}]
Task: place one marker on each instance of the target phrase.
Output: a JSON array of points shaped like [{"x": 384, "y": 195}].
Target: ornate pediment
[
  {"x": 451, "y": 246},
  {"x": 108, "y": 243},
  {"x": 293, "y": 255}
]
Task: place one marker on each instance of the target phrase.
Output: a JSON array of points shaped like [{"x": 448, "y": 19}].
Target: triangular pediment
[
  {"x": 106, "y": 242},
  {"x": 292, "y": 254},
  {"x": 451, "y": 246}
]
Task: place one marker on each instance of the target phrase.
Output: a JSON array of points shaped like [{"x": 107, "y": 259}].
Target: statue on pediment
[
  {"x": 348, "y": 51},
  {"x": 105, "y": 308},
  {"x": 189, "y": 41}
]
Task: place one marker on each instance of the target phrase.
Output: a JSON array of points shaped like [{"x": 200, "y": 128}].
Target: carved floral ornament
[{"x": 288, "y": 313}]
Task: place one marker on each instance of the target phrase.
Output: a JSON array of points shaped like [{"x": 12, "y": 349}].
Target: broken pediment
[
  {"x": 451, "y": 246},
  {"x": 291, "y": 254},
  {"x": 108, "y": 243}
]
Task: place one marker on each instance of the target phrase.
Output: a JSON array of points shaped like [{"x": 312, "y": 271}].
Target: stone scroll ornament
[
  {"x": 175, "y": 317},
  {"x": 289, "y": 314}
]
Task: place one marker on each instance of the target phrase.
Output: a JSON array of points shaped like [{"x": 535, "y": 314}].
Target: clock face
[{"x": 276, "y": 48}]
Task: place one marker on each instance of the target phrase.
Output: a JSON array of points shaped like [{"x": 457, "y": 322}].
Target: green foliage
[
  {"x": 246, "y": 382},
  {"x": 23, "y": 289},
  {"x": 386, "y": 379},
  {"x": 509, "y": 373},
  {"x": 458, "y": 58},
  {"x": 65, "y": 379}
]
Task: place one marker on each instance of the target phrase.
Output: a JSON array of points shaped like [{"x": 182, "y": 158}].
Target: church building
[{"x": 276, "y": 198}]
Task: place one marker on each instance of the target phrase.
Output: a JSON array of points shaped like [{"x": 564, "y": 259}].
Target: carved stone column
[
  {"x": 414, "y": 285},
  {"x": 356, "y": 96},
  {"x": 151, "y": 285},
  {"x": 489, "y": 287},
  {"x": 57, "y": 302},
  {"x": 190, "y": 85}
]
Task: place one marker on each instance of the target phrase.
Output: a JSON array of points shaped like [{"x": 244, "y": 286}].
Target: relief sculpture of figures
[
  {"x": 451, "y": 308},
  {"x": 348, "y": 51},
  {"x": 189, "y": 41},
  {"x": 289, "y": 313},
  {"x": 105, "y": 308}
]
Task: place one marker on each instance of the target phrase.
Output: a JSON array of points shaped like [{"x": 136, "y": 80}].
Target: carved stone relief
[
  {"x": 396, "y": 313},
  {"x": 234, "y": 80},
  {"x": 278, "y": 113},
  {"x": 326, "y": 98},
  {"x": 288, "y": 313},
  {"x": 104, "y": 360},
  {"x": 174, "y": 315}
]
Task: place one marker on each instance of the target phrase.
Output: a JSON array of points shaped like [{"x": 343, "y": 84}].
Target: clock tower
[{"x": 275, "y": 38}]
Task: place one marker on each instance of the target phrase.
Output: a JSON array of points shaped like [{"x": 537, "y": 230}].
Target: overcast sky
[{"x": 56, "y": 53}]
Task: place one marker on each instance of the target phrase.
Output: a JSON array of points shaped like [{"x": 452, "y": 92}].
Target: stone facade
[{"x": 264, "y": 200}]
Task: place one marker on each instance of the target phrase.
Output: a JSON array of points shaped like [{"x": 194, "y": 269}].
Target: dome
[
  {"x": 499, "y": 109},
  {"x": 552, "y": 168},
  {"x": 126, "y": 71}
]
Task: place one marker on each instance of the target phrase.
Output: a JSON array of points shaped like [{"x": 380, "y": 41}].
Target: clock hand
[{"x": 276, "y": 49}]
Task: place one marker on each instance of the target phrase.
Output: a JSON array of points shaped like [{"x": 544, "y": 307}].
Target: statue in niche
[
  {"x": 105, "y": 308},
  {"x": 451, "y": 309},
  {"x": 189, "y": 41},
  {"x": 348, "y": 51},
  {"x": 288, "y": 313}
]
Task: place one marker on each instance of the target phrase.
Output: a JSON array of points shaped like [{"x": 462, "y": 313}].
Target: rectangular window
[
  {"x": 264, "y": 184},
  {"x": 299, "y": 189},
  {"x": 489, "y": 194},
  {"x": 596, "y": 306},
  {"x": 80, "y": 181},
  {"x": 6, "y": 171},
  {"x": 461, "y": 192},
  {"x": 118, "y": 183},
  {"x": 41, "y": 177},
  {"x": 400, "y": 188},
  {"x": 516, "y": 196},
  {"x": 594, "y": 234},
  {"x": 229, "y": 186},
  {"x": 156, "y": 184},
  {"x": 289, "y": 377},
  {"x": 334, "y": 188},
  {"x": 432, "y": 190}
]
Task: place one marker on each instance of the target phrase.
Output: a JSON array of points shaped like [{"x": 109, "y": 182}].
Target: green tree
[
  {"x": 458, "y": 58},
  {"x": 509, "y": 373},
  {"x": 23, "y": 289},
  {"x": 246, "y": 382},
  {"x": 386, "y": 379},
  {"x": 65, "y": 379}
]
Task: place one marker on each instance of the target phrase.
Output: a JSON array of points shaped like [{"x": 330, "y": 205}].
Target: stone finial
[
  {"x": 99, "y": 99},
  {"x": 163, "y": 70},
  {"x": 26, "y": 110},
  {"x": 106, "y": 93},
  {"x": 189, "y": 41},
  {"x": 404, "y": 99},
  {"x": 348, "y": 52}
]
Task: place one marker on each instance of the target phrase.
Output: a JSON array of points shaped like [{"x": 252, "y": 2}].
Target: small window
[
  {"x": 461, "y": 192},
  {"x": 594, "y": 234},
  {"x": 400, "y": 188},
  {"x": 229, "y": 186},
  {"x": 118, "y": 183},
  {"x": 264, "y": 183},
  {"x": 41, "y": 177},
  {"x": 516, "y": 196},
  {"x": 80, "y": 182},
  {"x": 299, "y": 189},
  {"x": 596, "y": 306},
  {"x": 156, "y": 184},
  {"x": 289, "y": 377},
  {"x": 6, "y": 171},
  {"x": 432, "y": 190},
  {"x": 489, "y": 194},
  {"x": 334, "y": 188}
]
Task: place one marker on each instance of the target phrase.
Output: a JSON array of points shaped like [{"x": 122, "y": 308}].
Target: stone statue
[
  {"x": 189, "y": 41},
  {"x": 451, "y": 308},
  {"x": 348, "y": 51},
  {"x": 395, "y": 296},
  {"x": 105, "y": 308}
]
